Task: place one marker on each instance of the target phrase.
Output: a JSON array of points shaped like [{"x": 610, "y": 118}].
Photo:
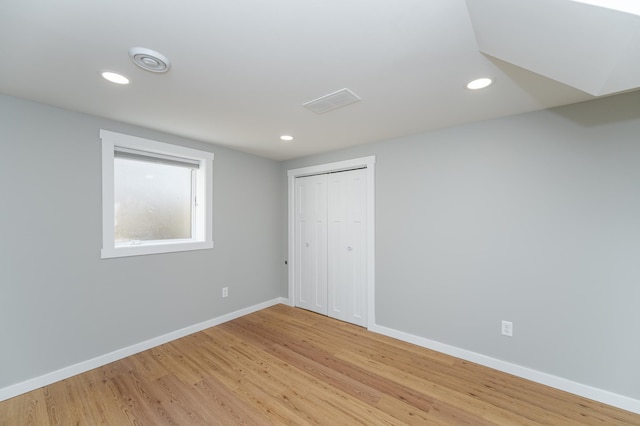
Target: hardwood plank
[
  {"x": 250, "y": 404},
  {"x": 90, "y": 397},
  {"x": 139, "y": 400},
  {"x": 29, "y": 408},
  {"x": 352, "y": 387},
  {"x": 182, "y": 402},
  {"x": 325, "y": 358},
  {"x": 404, "y": 412},
  {"x": 226, "y": 406},
  {"x": 458, "y": 395},
  {"x": 288, "y": 366}
]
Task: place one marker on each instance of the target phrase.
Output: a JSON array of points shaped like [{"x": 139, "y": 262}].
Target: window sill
[{"x": 154, "y": 248}]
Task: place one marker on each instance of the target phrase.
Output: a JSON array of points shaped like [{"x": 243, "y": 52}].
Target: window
[{"x": 156, "y": 197}]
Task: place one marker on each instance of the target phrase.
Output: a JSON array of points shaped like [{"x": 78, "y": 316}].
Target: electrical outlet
[
  {"x": 225, "y": 291},
  {"x": 507, "y": 328}
]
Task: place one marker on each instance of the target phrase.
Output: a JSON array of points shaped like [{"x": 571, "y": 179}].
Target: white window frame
[{"x": 201, "y": 239}]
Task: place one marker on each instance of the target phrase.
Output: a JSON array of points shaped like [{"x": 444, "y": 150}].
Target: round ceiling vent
[{"x": 149, "y": 60}]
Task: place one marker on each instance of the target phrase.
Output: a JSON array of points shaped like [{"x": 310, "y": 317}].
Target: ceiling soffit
[{"x": 592, "y": 48}]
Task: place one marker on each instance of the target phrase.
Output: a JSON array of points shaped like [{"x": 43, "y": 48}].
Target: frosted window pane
[{"x": 152, "y": 201}]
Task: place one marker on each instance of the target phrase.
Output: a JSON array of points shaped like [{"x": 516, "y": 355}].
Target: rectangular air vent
[{"x": 332, "y": 101}]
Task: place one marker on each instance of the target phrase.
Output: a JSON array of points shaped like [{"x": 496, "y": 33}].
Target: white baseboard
[
  {"x": 99, "y": 361},
  {"x": 580, "y": 389}
]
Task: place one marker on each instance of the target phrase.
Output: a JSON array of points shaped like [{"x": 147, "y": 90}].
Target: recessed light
[
  {"x": 286, "y": 138},
  {"x": 115, "y": 77},
  {"x": 479, "y": 83}
]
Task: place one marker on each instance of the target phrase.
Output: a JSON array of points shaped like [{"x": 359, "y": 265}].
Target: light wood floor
[{"x": 288, "y": 366}]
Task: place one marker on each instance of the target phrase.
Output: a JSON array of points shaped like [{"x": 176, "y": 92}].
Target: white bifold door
[{"x": 330, "y": 245}]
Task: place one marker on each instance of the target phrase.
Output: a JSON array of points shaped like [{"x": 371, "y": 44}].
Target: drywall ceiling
[
  {"x": 242, "y": 69},
  {"x": 592, "y": 45}
]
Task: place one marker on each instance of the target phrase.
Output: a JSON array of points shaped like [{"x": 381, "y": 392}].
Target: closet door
[
  {"x": 311, "y": 243},
  {"x": 347, "y": 246}
]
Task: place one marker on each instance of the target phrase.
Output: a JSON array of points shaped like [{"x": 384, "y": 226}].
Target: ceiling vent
[
  {"x": 149, "y": 60},
  {"x": 332, "y": 101}
]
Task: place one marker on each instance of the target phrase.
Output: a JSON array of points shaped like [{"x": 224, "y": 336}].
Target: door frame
[{"x": 369, "y": 163}]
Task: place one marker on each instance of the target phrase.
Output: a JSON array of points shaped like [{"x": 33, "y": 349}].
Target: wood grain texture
[{"x": 288, "y": 366}]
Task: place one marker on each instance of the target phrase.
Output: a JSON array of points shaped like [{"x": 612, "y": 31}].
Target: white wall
[
  {"x": 533, "y": 219},
  {"x": 60, "y": 304}
]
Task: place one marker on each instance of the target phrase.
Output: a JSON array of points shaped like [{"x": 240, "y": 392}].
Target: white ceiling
[
  {"x": 579, "y": 43},
  {"x": 241, "y": 69}
]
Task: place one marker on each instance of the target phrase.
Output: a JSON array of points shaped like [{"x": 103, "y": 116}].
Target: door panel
[
  {"x": 311, "y": 243},
  {"x": 347, "y": 246}
]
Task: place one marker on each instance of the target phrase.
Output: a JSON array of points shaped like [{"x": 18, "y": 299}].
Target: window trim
[{"x": 203, "y": 216}]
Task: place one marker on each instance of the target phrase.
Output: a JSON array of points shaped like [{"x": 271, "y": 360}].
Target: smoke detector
[{"x": 149, "y": 60}]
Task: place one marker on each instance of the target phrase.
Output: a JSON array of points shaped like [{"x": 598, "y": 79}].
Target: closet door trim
[{"x": 356, "y": 163}]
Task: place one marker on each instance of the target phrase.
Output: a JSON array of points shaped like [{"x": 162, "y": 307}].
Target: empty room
[{"x": 320, "y": 212}]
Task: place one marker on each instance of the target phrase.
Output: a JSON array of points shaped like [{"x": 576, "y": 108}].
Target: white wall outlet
[
  {"x": 225, "y": 291},
  {"x": 507, "y": 328}
]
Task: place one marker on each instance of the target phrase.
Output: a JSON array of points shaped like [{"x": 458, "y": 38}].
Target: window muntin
[{"x": 160, "y": 197}]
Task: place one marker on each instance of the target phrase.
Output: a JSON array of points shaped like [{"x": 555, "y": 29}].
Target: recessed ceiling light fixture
[
  {"x": 149, "y": 60},
  {"x": 286, "y": 138},
  {"x": 114, "y": 77},
  {"x": 479, "y": 83}
]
